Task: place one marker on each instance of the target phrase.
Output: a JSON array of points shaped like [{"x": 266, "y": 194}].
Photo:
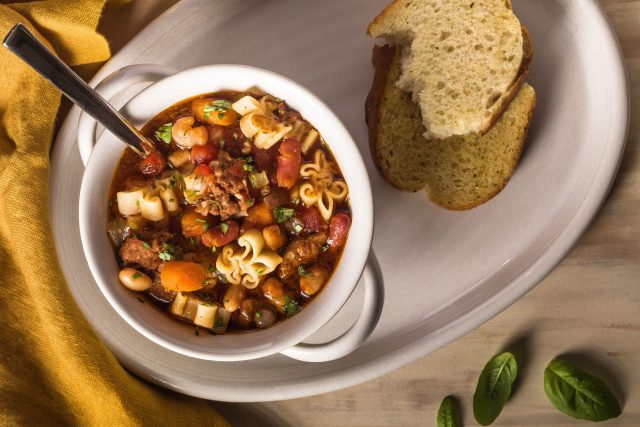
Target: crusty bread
[
  {"x": 458, "y": 173},
  {"x": 460, "y": 60}
]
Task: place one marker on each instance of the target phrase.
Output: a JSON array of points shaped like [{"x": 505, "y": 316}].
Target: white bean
[
  {"x": 233, "y": 297},
  {"x": 134, "y": 280}
]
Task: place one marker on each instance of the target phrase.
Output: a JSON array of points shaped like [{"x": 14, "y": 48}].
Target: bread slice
[
  {"x": 460, "y": 60},
  {"x": 458, "y": 173}
]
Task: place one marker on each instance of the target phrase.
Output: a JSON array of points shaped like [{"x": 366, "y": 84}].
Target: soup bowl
[{"x": 101, "y": 156}]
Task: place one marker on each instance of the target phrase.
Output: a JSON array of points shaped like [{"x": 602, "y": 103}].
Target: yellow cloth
[{"x": 53, "y": 368}]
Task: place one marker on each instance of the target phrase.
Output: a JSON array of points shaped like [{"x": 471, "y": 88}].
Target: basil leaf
[
  {"x": 163, "y": 133},
  {"x": 579, "y": 394},
  {"x": 494, "y": 387},
  {"x": 447, "y": 416}
]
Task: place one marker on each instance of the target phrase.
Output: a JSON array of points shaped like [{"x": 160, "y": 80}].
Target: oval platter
[{"x": 445, "y": 272}]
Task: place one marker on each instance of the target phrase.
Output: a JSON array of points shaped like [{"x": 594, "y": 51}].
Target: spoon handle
[{"x": 27, "y": 47}]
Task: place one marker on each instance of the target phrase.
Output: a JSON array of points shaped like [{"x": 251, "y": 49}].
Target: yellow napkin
[{"x": 53, "y": 368}]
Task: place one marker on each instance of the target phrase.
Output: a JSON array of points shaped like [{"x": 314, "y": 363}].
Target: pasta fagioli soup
[{"x": 237, "y": 220}]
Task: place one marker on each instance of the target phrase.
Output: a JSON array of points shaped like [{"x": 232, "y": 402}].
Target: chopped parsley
[
  {"x": 291, "y": 307},
  {"x": 141, "y": 300},
  {"x": 169, "y": 252},
  {"x": 248, "y": 167},
  {"x": 251, "y": 202},
  {"x": 205, "y": 223},
  {"x": 296, "y": 201},
  {"x": 249, "y": 159},
  {"x": 214, "y": 249},
  {"x": 136, "y": 275},
  {"x": 324, "y": 248},
  {"x": 259, "y": 270},
  {"x": 222, "y": 141},
  {"x": 172, "y": 200},
  {"x": 298, "y": 228},
  {"x": 191, "y": 193},
  {"x": 282, "y": 214},
  {"x": 220, "y": 106},
  {"x": 146, "y": 245},
  {"x": 302, "y": 271},
  {"x": 163, "y": 133},
  {"x": 211, "y": 268},
  {"x": 224, "y": 227},
  {"x": 258, "y": 315}
]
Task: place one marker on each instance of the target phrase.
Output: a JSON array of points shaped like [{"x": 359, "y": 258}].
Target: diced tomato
[
  {"x": 312, "y": 221},
  {"x": 204, "y": 153},
  {"x": 289, "y": 159},
  {"x": 222, "y": 234},
  {"x": 203, "y": 170},
  {"x": 153, "y": 164},
  {"x": 338, "y": 231}
]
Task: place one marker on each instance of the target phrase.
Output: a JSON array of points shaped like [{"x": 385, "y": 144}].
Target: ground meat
[
  {"x": 158, "y": 291},
  {"x": 227, "y": 192},
  {"x": 142, "y": 249},
  {"x": 299, "y": 252}
]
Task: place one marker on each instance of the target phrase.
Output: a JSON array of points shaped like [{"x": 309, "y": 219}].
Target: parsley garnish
[
  {"x": 172, "y": 200},
  {"x": 141, "y": 300},
  {"x": 302, "y": 271},
  {"x": 224, "y": 227},
  {"x": 248, "y": 168},
  {"x": 324, "y": 248},
  {"x": 219, "y": 106},
  {"x": 259, "y": 270},
  {"x": 282, "y": 214},
  {"x": 163, "y": 133},
  {"x": 146, "y": 245},
  {"x": 203, "y": 221},
  {"x": 211, "y": 268},
  {"x": 258, "y": 315},
  {"x": 298, "y": 228},
  {"x": 291, "y": 307},
  {"x": 251, "y": 202},
  {"x": 136, "y": 275},
  {"x": 296, "y": 201},
  {"x": 222, "y": 141},
  {"x": 214, "y": 249},
  {"x": 169, "y": 252}
]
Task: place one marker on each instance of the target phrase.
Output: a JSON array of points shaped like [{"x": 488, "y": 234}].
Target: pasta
[
  {"x": 322, "y": 189},
  {"x": 150, "y": 203},
  {"x": 258, "y": 122},
  {"x": 249, "y": 260}
]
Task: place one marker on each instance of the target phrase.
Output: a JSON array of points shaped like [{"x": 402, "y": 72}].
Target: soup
[{"x": 237, "y": 220}]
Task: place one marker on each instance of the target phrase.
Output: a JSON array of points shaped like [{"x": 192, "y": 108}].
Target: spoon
[{"x": 27, "y": 47}]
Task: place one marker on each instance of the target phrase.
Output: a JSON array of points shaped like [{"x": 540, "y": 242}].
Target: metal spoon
[{"x": 27, "y": 47}]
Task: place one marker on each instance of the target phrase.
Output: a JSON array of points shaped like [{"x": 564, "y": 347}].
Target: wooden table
[{"x": 588, "y": 309}]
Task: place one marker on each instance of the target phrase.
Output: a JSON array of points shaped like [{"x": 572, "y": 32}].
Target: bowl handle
[
  {"x": 108, "y": 88},
  {"x": 361, "y": 329}
]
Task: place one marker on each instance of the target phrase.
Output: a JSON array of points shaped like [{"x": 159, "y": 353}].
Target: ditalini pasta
[{"x": 237, "y": 220}]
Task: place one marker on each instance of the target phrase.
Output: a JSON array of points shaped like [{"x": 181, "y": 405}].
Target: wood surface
[{"x": 587, "y": 309}]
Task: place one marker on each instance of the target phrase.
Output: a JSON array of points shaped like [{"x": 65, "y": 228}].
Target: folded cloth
[{"x": 53, "y": 368}]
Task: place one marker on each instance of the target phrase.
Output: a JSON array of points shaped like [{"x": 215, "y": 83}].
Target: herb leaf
[
  {"x": 579, "y": 394},
  {"x": 169, "y": 252},
  {"x": 163, "y": 133},
  {"x": 302, "y": 271},
  {"x": 291, "y": 307},
  {"x": 494, "y": 387},
  {"x": 146, "y": 245},
  {"x": 136, "y": 275},
  {"x": 224, "y": 227},
  {"x": 447, "y": 416},
  {"x": 219, "y": 106},
  {"x": 282, "y": 214}
]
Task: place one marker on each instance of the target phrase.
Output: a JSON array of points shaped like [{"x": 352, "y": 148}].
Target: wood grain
[{"x": 588, "y": 309}]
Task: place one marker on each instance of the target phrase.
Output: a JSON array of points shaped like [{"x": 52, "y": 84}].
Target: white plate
[{"x": 445, "y": 273}]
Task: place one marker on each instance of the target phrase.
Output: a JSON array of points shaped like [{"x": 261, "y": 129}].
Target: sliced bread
[
  {"x": 460, "y": 60},
  {"x": 457, "y": 173}
]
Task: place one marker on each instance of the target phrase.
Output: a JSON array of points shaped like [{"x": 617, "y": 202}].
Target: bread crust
[
  {"x": 523, "y": 73},
  {"x": 381, "y": 59}
]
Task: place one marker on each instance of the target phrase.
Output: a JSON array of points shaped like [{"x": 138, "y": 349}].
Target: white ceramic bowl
[{"x": 284, "y": 336}]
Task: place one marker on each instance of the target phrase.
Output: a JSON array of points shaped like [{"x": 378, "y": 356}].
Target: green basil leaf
[
  {"x": 447, "y": 416},
  {"x": 578, "y": 393},
  {"x": 494, "y": 387}
]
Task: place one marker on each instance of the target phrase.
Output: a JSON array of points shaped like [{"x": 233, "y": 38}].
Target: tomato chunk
[
  {"x": 222, "y": 234},
  {"x": 289, "y": 159},
  {"x": 203, "y": 170},
  {"x": 153, "y": 164},
  {"x": 312, "y": 220},
  {"x": 338, "y": 231},
  {"x": 204, "y": 153},
  {"x": 182, "y": 276}
]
